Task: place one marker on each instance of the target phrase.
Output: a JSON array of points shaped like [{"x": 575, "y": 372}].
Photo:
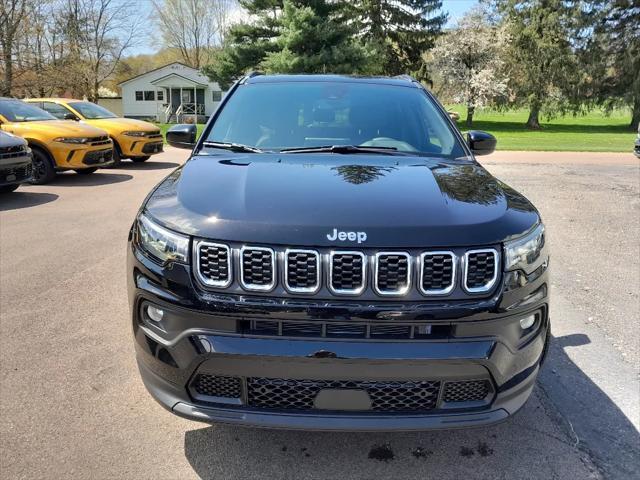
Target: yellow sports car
[
  {"x": 132, "y": 139},
  {"x": 56, "y": 144}
]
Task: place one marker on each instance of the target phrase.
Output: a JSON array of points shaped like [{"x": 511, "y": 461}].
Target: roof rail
[
  {"x": 406, "y": 77},
  {"x": 251, "y": 74}
]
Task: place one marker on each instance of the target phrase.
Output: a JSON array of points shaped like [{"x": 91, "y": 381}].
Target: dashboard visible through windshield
[{"x": 299, "y": 116}]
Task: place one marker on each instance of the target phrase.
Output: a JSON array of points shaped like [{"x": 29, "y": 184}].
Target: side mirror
[
  {"x": 481, "y": 143},
  {"x": 71, "y": 116},
  {"x": 182, "y": 136}
]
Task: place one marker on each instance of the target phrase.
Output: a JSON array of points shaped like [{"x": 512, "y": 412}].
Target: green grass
[{"x": 594, "y": 132}]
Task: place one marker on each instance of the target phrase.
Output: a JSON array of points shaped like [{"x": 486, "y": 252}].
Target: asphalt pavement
[{"x": 72, "y": 404}]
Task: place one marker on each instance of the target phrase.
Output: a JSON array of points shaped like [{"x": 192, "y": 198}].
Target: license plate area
[{"x": 342, "y": 399}]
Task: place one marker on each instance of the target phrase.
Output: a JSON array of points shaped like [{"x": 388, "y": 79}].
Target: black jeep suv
[
  {"x": 15, "y": 162},
  {"x": 333, "y": 257}
]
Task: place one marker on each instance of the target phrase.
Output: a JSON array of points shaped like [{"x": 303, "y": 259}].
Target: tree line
[{"x": 550, "y": 56}]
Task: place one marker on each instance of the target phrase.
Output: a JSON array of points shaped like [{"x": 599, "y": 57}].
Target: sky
[{"x": 456, "y": 9}]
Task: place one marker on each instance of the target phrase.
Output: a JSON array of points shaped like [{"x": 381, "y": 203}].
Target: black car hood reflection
[{"x": 298, "y": 199}]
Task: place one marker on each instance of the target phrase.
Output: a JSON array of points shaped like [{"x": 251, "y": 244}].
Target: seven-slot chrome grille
[{"x": 326, "y": 273}]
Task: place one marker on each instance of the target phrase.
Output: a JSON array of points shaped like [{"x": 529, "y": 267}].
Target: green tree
[
  {"x": 315, "y": 39},
  {"x": 400, "y": 30},
  {"x": 247, "y": 44},
  {"x": 541, "y": 63},
  {"x": 613, "y": 53}
]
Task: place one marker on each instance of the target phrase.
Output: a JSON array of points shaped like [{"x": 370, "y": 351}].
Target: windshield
[
  {"x": 17, "y": 111},
  {"x": 287, "y": 115},
  {"x": 91, "y": 111}
]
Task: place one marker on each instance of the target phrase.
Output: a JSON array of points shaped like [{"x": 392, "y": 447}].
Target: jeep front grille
[
  {"x": 481, "y": 270},
  {"x": 214, "y": 264},
  {"x": 347, "y": 272},
  {"x": 437, "y": 274},
  {"x": 302, "y": 271},
  {"x": 257, "y": 268},
  {"x": 392, "y": 274},
  {"x": 369, "y": 274}
]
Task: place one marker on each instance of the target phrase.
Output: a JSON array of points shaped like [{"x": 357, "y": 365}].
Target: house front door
[{"x": 175, "y": 98}]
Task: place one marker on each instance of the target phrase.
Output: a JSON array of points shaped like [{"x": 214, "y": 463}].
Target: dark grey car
[{"x": 15, "y": 162}]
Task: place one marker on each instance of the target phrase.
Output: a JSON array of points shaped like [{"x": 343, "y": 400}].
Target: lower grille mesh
[
  {"x": 217, "y": 386},
  {"x": 296, "y": 394},
  {"x": 288, "y": 394},
  {"x": 466, "y": 391}
]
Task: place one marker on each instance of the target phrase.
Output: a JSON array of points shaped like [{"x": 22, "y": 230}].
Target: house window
[
  {"x": 217, "y": 96},
  {"x": 138, "y": 96},
  {"x": 149, "y": 95},
  {"x": 160, "y": 95}
]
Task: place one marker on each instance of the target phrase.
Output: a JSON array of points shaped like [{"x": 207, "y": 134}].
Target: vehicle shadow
[
  {"x": 148, "y": 165},
  {"x": 18, "y": 200},
  {"x": 72, "y": 179},
  {"x": 528, "y": 445}
]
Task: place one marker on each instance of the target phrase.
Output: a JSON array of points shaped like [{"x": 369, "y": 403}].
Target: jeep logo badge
[{"x": 342, "y": 236}]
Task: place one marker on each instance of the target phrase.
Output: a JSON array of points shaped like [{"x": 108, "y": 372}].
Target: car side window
[{"x": 55, "y": 109}]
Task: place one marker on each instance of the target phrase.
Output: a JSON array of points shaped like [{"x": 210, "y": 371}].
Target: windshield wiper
[
  {"x": 234, "y": 147},
  {"x": 344, "y": 149}
]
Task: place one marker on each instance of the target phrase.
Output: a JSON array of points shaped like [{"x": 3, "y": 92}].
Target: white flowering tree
[{"x": 469, "y": 60}]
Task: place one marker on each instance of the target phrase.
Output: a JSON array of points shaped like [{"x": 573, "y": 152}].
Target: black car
[
  {"x": 636, "y": 148},
  {"x": 333, "y": 257},
  {"x": 15, "y": 162}
]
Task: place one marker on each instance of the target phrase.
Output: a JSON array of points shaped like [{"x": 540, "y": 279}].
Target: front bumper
[
  {"x": 140, "y": 146},
  {"x": 15, "y": 172},
  {"x": 201, "y": 336},
  {"x": 72, "y": 157}
]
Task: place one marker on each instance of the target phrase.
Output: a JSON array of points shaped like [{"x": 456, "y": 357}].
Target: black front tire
[
  {"x": 140, "y": 159},
  {"x": 43, "y": 170},
  {"x": 86, "y": 171},
  {"x": 8, "y": 188},
  {"x": 116, "y": 157}
]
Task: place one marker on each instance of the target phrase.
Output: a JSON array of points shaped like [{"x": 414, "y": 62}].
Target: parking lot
[{"x": 72, "y": 404}]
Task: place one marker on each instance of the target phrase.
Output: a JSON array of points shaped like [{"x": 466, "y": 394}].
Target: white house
[{"x": 173, "y": 93}]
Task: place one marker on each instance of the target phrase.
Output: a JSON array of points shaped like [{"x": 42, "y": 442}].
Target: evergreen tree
[
  {"x": 247, "y": 44},
  {"x": 541, "y": 62},
  {"x": 612, "y": 53},
  {"x": 314, "y": 39},
  {"x": 400, "y": 30}
]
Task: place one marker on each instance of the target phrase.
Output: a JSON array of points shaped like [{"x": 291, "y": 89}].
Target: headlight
[
  {"x": 527, "y": 252},
  {"x": 135, "y": 134},
  {"x": 161, "y": 243},
  {"x": 71, "y": 139}
]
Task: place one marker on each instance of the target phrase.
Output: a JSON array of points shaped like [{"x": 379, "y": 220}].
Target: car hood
[
  {"x": 119, "y": 125},
  {"x": 299, "y": 199},
  {"x": 55, "y": 128}
]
